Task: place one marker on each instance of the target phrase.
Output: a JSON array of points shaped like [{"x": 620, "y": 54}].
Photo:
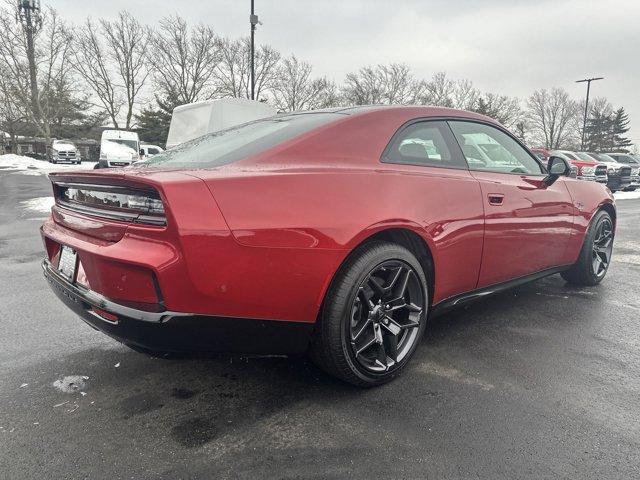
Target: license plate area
[{"x": 68, "y": 263}]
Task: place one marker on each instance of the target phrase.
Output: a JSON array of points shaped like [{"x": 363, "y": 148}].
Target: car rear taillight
[{"x": 127, "y": 204}]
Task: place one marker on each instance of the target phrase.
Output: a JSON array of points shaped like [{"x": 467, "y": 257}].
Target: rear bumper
[
  {"x": 66, "y": 159},
  {"x": 589, "y": 178},
  {"x": 635, "y": 182},
  {"x": 169, "y": 331},
  {"x": 618, "y": 183}
]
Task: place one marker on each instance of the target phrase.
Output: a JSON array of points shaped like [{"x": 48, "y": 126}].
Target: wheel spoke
[
  {"x": 382, "y": 356},
  {"x": 604, "y": 258},
  {"x": 391, "y": 346},
  {"x": 376, "y": 287},
  {"x": 394, "y": 280},
  {"x": 393, "y": 327},
  {"x": 596, "y": 264},
  {"x": 365, "y": 346},
  {"x": 405, "y": 283},
  {"x": 361, "y": 331}
]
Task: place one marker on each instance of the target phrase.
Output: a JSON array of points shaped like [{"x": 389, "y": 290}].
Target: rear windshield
[{"x": 233, "y": 144}]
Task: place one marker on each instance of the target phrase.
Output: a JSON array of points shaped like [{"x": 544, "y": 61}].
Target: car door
[
  {"x": 444, "y": 197},
  {"x": 527, "y": 222}
]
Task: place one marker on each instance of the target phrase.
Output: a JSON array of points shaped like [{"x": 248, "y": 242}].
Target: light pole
[
  {"x": 253, "y": 21},
  {"x": 586, "y": 103}
]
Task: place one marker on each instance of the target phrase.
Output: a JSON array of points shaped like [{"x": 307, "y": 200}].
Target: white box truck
[{"x": 196, "y": 119}]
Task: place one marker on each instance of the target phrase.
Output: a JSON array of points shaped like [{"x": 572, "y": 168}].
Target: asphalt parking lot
[{"x": 539, "y": 382}]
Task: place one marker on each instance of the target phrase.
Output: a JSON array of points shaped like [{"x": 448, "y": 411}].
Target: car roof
[{"x": 408, "y": 111}]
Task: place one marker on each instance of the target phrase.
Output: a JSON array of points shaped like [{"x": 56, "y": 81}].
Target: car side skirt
[{"x": 464, "y": 298}]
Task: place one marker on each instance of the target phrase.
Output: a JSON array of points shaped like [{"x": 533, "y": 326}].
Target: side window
[
  {"x": 153, "y": 151},
  {"x": 425, "y": 143},
  {"x": 490, "y": 149}
]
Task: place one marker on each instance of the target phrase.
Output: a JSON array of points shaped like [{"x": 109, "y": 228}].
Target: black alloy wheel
[
  {"x": 386, "y": 315},
  {"x": 595, "y": 256},
  {"x": 602, "y": 247}
]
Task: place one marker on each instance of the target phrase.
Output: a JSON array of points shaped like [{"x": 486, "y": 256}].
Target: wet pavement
[{"x": 539, "y": 382}]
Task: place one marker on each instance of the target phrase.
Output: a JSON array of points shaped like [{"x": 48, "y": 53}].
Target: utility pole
[
  {"x": 586, "y": 103},
  {"x": 253, "y": 21},
  {"x": 31, "y": 20}
]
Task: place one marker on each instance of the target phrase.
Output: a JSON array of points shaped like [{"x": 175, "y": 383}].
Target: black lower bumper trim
[{"x": 189, "y": 333}]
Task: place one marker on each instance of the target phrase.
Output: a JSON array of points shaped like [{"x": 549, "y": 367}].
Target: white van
[
  {"x": 118, "y": 148},
  {"x": 196, "y": 119},
  {"x": 147, "y": 150}
]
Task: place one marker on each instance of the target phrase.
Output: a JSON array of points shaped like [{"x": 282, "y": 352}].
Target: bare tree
[
  {"x": 382, "y": 84},
  {"x": 233, "y": 72},
  {"x": 294, "y": 89},
  {"x": 42, "y": 100},
  {"x": 439, "y": 91},
  {"x": 128, "y": 41},
  {"x": 10, "y": 111},
  {"x": 502, "y": 108},
  {"x": 552, "y": 116},
  {"x": 112, "y": 59},
  {"x": 442, "y": 91},
  {"x": 188, "y": 60},
  {"x": 92, "y": 62},
  {"x": 464, "y": 95}
]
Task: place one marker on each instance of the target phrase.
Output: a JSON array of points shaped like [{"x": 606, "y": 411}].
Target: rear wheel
[
  {"x": 595, "y": 256},
  {"x": 373, "y": 316}
]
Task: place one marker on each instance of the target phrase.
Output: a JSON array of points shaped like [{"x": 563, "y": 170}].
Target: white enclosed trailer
[{"x": 196, "y": 119}]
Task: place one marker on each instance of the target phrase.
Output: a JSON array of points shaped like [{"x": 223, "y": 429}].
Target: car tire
[
  {"x": 591, "y": 267},
  {"x": 355, "y": 313}
]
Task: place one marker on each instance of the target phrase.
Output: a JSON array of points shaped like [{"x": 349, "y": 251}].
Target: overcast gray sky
[{"x": 504, "y": 46}]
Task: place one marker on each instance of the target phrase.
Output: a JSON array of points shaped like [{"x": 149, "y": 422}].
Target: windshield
[
  {"x": 586, "y": 157},
  {"x": 127, "y": 143},
  {"x": 233, "y": 144},
  {"x": 626, "y": 159}
]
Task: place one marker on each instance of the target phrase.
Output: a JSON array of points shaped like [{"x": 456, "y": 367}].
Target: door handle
[{"x": 495, "y": 199}]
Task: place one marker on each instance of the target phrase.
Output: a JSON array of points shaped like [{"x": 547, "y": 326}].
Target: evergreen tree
[
  {"x": 620, "y": 126},
  {"x": 153, "y": 123},
  {"x": 598, "y": 131}
]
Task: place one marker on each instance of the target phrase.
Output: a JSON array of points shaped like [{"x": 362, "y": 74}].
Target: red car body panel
[{"x": 263, "y": 237}]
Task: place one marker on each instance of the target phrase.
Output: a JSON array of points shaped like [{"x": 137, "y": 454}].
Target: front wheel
[
  {"x": 595, "y": 256},
  {"x": 373, "y": 316}
]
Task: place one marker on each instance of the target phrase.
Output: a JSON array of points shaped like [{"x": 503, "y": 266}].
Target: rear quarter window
[{"x": 233, "y": 144}]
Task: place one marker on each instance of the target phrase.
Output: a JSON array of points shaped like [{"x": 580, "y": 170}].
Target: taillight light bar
[{"x": 127, "y": 204}]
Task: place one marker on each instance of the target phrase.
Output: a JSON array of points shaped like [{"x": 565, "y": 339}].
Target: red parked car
[{"x": 336, "y": 232}]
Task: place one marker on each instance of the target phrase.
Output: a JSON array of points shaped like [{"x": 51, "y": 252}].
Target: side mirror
[
  {"x": 141, "y": 152},
  {"x": 556, "y": 167}
]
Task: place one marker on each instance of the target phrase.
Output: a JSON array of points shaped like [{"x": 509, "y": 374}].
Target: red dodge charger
[{"x": 337, "y": 232}]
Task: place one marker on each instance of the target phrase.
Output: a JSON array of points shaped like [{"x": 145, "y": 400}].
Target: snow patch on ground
[
  {"x": 30, "y": 166},
  {"x": 40, "y": 205},
  {"x": 627, "y": 195}
]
